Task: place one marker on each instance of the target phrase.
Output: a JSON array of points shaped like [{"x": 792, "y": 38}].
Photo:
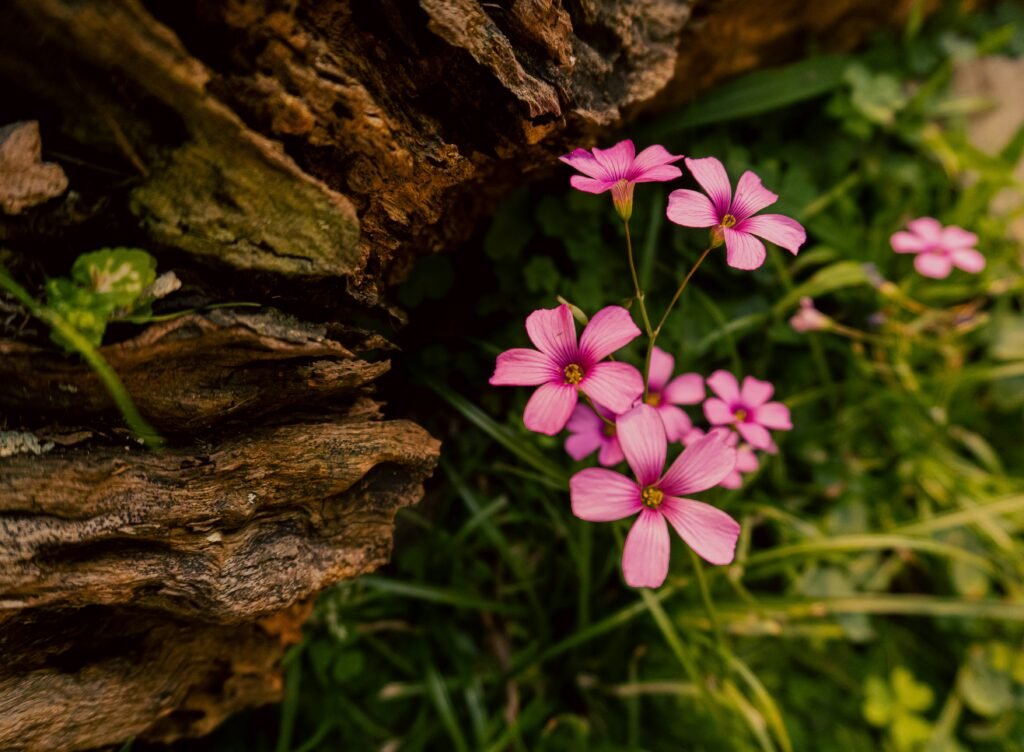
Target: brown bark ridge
[{"x": 287, "y": 151}]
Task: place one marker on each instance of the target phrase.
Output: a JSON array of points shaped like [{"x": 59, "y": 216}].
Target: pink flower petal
[
  {"x": 523, "y": 367},
  {"x": 609, "y": 329},
  {"x": 756, "y": 392},
  {"x": 775, "y": 228},
  {"x": 969, "y": 260},
  {"x": 693, "y": 436},
  {"x": 907, "y": 242},
  {"x": 611, "y": 453},
  {"x": 742, "y": 250},
  {"x": 553, "y": 332},
  {"x": 707, "y": 530},
  {"x": 691, "y": 209},
  {"x": 583, "y": 160},
  {"x": 746, "y": 460},
  {"x": 724, "y": 384},
  {"x": 934, "y": 265},
  {"x": 617, "y": 160},
  {"x": 645, "y": 555},
  {"x": 585, "y": 432},
  {"x": 614, "y": 385},
  {"x": 642, "y": 436},
  {"x": 580, "y": 445},
  {"x": 712, "y": 177},
  {"x": 653, "y": 162},
  {"x": 750, "y": 196},
  {"x": 732, "y": 481},
  {"x": 599, "y": 495},
  {"x": 717, "y": 412},
  {"x": 677, "y": 422},
  {"x": 661, "y": 369},
  {"x": 928, "y": 229},
  {"x": 686, "y": 389},
  {"x": 590, "y": 185},
  {"x": 549, "y": 408},
  {"x": 755, "y": 434},
  {"x": 958, "y": 237},
  {"x": 702, "y": 465},
  {"x": 774, "y": 415}
]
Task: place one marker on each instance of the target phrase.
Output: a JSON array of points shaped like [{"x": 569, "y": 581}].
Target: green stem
[
  {"x": 638, "y": 293},
  {"x": 652, "y": 336},
  {"x": 607, "y": 421},
  {"x": 705, "y": 594},
  {"x": 115, "y": 388},
  {"x": 682, "y": 287}
]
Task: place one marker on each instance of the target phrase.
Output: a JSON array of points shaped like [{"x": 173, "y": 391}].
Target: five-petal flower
[
  {"x": 601, "y": 495},
  {"x": 619, "y": 168},
  {"x": 938, "y": 248},
  {"x": 748, "y": 409},
  {"x": 732, "y": 218},
  {"x": 560, "y": 368}
]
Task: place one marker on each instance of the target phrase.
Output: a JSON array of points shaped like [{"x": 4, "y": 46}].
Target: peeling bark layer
[{"x": 287, "y": 152}]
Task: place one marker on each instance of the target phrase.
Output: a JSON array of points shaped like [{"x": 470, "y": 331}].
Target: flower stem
[
  {"x": 597, "y": 412},
  {"x": 682, "y": 287},
  {"x": 652, "y": 336},
  {"x": 705, "y": 594},
  {"x": 638, "y": 293}
]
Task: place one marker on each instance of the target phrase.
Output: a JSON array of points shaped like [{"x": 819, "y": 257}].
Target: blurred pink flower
[
  {"x": 588, "y": 433},
  {"x": 600, "y": 495},
  {"x": 748, "y": 409},
  {"x": 560, "y": 368},
  {"x": 746, "y": 460},
  {"x": 732, "y": 217},
  {"x": 808, "y": 318},
  {"x": 938, "y": 248},
  {"x": 664, "y": 393},
  {"x": 617, "y": 170}
]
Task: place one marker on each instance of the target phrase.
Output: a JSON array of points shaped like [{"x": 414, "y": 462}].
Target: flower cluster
[
  {"x": 622, "y": 413},
  {"x": 613, "y": 409}
]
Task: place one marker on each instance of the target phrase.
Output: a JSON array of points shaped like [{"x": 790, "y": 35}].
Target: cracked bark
[{"x": 287, "y": 152}]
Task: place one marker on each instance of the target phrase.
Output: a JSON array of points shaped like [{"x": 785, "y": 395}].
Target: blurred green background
[{"x": 877, "y": 599}]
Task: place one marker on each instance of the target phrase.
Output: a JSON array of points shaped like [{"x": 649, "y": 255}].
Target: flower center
[
  {"x": 652, "y": 497},
  {"x": 653, "y": 399},
  {"x": 740, "y": 415},
  {"x": 573, "y": 374},
  {"x": 729, "y": 220},
  {"x": 608, "y": 430}
]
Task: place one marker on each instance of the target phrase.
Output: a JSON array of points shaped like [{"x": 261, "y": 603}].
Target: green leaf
[
  {"x": 80, "y": 307},
  {"x": 985, "y": 689},
  {"x": 116, "y": 276},
  {"x": 910, "y": 694},
  {"x": 877, "y": 97},
  {"x": 878, "y": 702},
  {"x": 909, "y": 731},
  {"x": 833, "y": 277},
  {"x": 762, "y": 91}
]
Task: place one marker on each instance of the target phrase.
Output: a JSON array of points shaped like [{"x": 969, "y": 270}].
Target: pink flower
[
  {"x": 600, "y": 495},
  {"x": 748, "y": 409},
  {"x": 746, "y": 460},
  {"x": 808, "y": 318},
  {"x": 560, "y": 368},
  {"x": 588, "y": 433},
  {"x": 732, "y": 217},
  {"x": 938, "y": 248},
  {"x": 617, "y": 169},
  {"x": 664, "y": 394}
]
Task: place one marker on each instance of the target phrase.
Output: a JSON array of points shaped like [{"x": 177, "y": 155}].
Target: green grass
[{"x": 883, "y": 542}]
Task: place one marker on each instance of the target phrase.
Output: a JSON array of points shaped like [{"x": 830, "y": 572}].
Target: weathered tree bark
[{"x": 285, "y": 151}]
